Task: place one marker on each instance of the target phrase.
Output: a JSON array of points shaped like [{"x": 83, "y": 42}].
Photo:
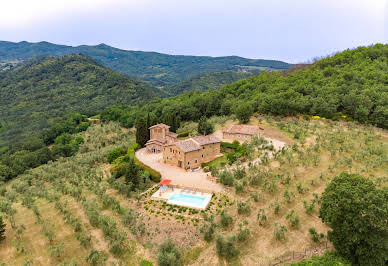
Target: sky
[{"x": 293, "y": 31}]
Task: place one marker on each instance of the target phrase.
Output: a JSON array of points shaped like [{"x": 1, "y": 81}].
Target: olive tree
[{"x": 169, "y": 254}]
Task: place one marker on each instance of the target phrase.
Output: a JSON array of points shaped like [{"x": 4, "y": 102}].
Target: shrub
[
  {"x": 280, "y": 231},
  {"x": 155, "y": 175},
  {"x": 226, "y": 246},
  {"x": 261, "y": 217},
  {"x": 208, "y": 231},
  {"x": 293, "y": 219},
  {"x": 243, "y": 231},
  {"x": 169, "y": 254},
  {"x": 226, "y": 178},
  {"x": 115, "y": 153},
  {"x": 96, "y": 258},
  {"x": 314, "y": 235},
  {"x": 226, "y": 219},
  {"x": 2, "y": 229},
  {"x": 244, "y": 207}
]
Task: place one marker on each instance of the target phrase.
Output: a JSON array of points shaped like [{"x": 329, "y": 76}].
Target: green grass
[
  {"x": 216, "y": 162},
  {"x": 329, "y": 258}
]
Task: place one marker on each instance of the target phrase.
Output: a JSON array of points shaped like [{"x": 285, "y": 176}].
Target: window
[
  {"x": 202, "y": 155},
  {"x": 196, "y": 161},
  {"x": 170, "y": 149},
  {"x": 188, "y": 163},
  {"x": 203, "y": 147},
  {"x": 245, "y": 137}
]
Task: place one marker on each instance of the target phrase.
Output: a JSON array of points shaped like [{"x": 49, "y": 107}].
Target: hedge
[
  {"x": 228, "y": 145},
  {"x": 183, "y": 134},
  {"x": 155, "y": 175}
]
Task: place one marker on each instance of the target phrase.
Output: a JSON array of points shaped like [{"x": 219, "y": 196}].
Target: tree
[
  {"x": 2, "y": 229},
  {"x": 148, "y": 125},
  {"x": 243, "y": 112},
  {"x": 169, "y": 254},
  {"x": 141, "y": 132},
  {"x": 226, "y": 246},
  {"x": 357, "y": 213},
  {"x": 204, "y": 126},
  {"x": 131, "y": 172}
]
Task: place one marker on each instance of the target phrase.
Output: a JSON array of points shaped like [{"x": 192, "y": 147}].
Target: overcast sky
[{"x": 294, "y": 31}]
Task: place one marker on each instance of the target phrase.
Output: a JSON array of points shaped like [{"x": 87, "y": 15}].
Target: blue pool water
[{"x": 193, "y": 201}]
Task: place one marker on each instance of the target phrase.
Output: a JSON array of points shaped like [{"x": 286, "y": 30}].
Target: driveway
[{"x": 177, "y": 175}]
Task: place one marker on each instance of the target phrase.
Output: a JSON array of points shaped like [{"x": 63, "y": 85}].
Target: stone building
[
  {"x": 160, "y": 135},
  {"x": 192, "y": 152},
  {"x": 241, "y": 133}
]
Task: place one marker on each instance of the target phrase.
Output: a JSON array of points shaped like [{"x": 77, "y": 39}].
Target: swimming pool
[{"x": 192, "y": 201}]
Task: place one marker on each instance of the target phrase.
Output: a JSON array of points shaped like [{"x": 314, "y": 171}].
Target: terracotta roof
[
  {"x": 188, "y": 145},
  {"x": 204, "y": 140},
  {"x": 172, "y": 134},
  {"x": 160, "y": 125},
  {"x": 155, "y": 141},
  {"x": 242, "y": 129}
]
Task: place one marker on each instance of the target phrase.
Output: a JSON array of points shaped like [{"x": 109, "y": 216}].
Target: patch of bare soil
[{"x": 184, "y": 235}]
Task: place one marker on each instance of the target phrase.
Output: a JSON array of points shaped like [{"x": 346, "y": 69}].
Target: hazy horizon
[{"x": 277, "y": 30}]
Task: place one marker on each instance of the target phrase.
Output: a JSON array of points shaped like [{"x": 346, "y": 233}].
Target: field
[{"x": 71, "y": 211}]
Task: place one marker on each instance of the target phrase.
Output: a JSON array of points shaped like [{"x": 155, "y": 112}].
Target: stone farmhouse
[
  {"x": 187, "y": 154},
  {"x": 241, "y": 133},
  {"x": 160, "y": 135},
  {"x": 190, "y": 153}
]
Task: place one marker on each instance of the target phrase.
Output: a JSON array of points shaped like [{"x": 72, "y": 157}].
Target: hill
[
  {"x": 351, "y": 84},
  {"x": 161, "y": 70},
  {"x": 48, "y": 87},
  {"x": 75, "y": 211},
  {"x": 207, "y": 81}
]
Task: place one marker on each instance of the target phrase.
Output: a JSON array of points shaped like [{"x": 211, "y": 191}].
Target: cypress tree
[
  {"x": 148, "y": 123},
  {"x": 2, "y": 229},
  {"x": 141, "y": 132}
]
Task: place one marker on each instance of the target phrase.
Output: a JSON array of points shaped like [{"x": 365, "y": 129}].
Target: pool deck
[{"x": 167, "y": 193}]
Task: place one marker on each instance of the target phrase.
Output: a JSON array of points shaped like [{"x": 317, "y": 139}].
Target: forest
[
  {"x": 48, "y": 87},
  {"x": 161, "y": 70},
  {"x": 352, "y": 84}
]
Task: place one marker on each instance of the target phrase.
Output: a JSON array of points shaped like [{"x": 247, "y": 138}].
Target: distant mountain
[
  {"x": 47, "y": 87},
  {"x": 352, "y": 84},
  {"x": 207, "y": 81},
  {"x": 161, "y": 70}
]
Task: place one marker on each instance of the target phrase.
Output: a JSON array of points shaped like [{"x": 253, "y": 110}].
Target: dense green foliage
[
  {"x": 357, "y": 213},
  {"x": 169, "y": 254},
  {"x": 34, "y": 151},
  {"x": 353, "y": 83},
  {"x": 2, "y": 229},
  {"x": 45, "y": 88},
  {"x": 141, "y": 132},
  {"x": 226, "y": 246},
  {"x": 207, "y": 81},
  {"x": 115, "y": 153},
  {"x": 161, "y": 70},
  {"x": 329, "y": 258},
  {"x": 204, "y": 126}
]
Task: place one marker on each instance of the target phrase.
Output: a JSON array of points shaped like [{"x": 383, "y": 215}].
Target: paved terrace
[{"x": 177, "y": 175}]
